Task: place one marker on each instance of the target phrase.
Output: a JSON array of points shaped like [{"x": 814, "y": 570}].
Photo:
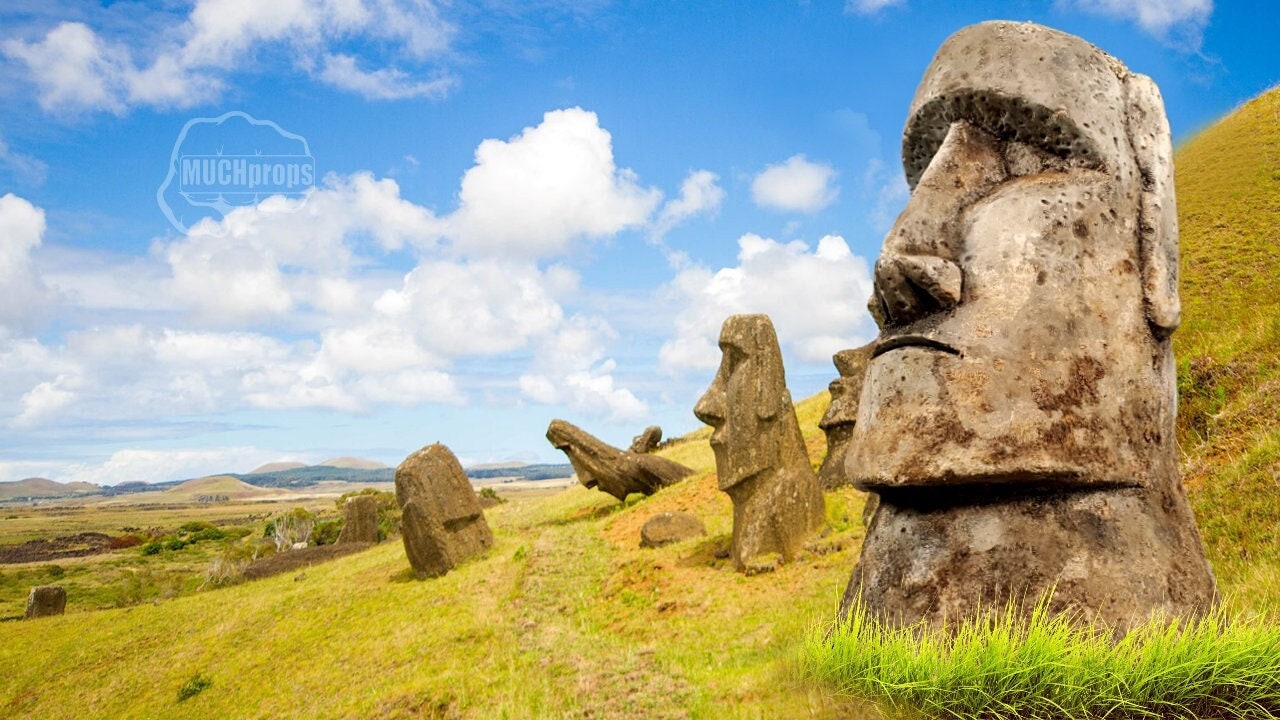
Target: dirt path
[{"x": 566, "y": 568}]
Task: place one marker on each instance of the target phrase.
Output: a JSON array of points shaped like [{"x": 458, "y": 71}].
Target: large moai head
[
  {"x": 1027, "y": 292},
  {"x": 747, "y": 404}
]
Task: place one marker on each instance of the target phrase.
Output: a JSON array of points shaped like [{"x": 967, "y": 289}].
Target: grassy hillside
[
  {"x": 566, "y": 617},
  {"x": 44, "y": 488},
  {"x": 1228, "y": 348},
  {"x": 220, "y": 486}
]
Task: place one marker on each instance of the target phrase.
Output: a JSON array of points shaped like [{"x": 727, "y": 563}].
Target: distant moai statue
[
  {"x": 761, "y": 460},
  {"x": 359, "y": 520},
  {"x": 842, "y": 415},
  {"x": 647, "y": 441},
  {"x": 45, "y": 601},
  {"x": 604, "y": 467},
  {"x": 441, "y": 520},
  {"x": 1017, "y": 416}
]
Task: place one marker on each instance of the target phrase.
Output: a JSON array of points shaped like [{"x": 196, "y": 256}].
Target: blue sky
[{"x": 520, "y": 210}]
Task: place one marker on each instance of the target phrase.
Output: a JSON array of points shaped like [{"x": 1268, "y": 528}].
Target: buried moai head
[
  {"x": 761, "y": 460},
  {"x": 842, "y": 415},
  {"x": 442, "y": 521},
  {"x": 1027, "y": 292},
  {"x": 747, "y": 404}
]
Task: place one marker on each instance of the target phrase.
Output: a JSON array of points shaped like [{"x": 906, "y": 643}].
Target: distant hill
[
  {"x": 354, "y": 463},
  {"x": 277, "y": 466},
  {"x": 215, "y": 488},
  {"x": 310, "y": 475},
  {"x": 38, "y": 487}
]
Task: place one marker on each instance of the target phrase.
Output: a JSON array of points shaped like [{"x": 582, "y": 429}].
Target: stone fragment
[
  {"x": 45, "y": 601},
  {"x": 670, "y": 527},
  {"x": 1017, "y": 412},
  {"x": 602, "y": 466},
  {"x": 647, "y": 441},
  {"x": 359, "y": 520},
  {"x": 761, "y": 460},
  {"x": 441, "y": 520},
  {"x": 842, "y": 415}
]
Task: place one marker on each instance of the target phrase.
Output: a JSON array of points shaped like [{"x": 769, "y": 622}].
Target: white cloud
[
  {"x": 795, "y": 185},
  {"x": 386, "y": 83},
  {"x": 233, "y": 272},
  {"x": 869, "y": 7},
  {"x": 1161, "y": 18},
  {"x": 700, "y": 193},
  {"x": 150, "y": 466},
  {"x": 571, "y": 368},
  {"x": 188, "y": 63},
  {"x": 25, "y": 168},
  {"x": 532, "y": 195},
  {"x": 817, "y": 300},
  {"x": 26, "y": 298}
]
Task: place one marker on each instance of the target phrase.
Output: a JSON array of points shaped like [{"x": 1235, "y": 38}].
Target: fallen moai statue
[
  {"x": 761, "y": 460},
  {"x": 647, "y": 441},
  {"x": 441, "y": 520},
  {"x": 610, "y": 470},
  {"x": 1017, "y": 416}
]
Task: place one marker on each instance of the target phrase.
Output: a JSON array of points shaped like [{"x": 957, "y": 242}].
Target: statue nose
[
  {"x": 911, "y": 287},
  {"x": 710, "y": 407}
]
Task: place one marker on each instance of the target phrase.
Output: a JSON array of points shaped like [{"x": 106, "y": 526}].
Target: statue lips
[{"x": 895, "y": 342}]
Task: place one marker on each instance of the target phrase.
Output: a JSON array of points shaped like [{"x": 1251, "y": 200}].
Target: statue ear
[
  {"x": 771, "y": 383},
  {"x": 1158, "y": 218}
]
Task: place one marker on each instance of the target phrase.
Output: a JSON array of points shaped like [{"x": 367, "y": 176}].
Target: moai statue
[
  {"x": 647, "y": 441},
  {"x": 761, "y": 460},
  {"x": 46, "y": 600},
  {"x": 838, "y": 423},
  {"x": 1017, "y": 417},
  {"x": 359, "y": 520},
  {"x": 441, "y": 519},
  {"x": 610, "y": 470}
]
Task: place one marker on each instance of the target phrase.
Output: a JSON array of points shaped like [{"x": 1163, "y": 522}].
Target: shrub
[
  {"x": 326, "y": 532},
  {"x": 292, "y": 527},
  {"x": 196, "y": 685},
  {"x": 209, "y": 533},
  {"x": 53, "y": 571},
  {"x": 152, "y": 548},
  {"x": 196, "y": 526},
  {"x": 491, "y": 495},
  {"x": 173, "y": 543}
]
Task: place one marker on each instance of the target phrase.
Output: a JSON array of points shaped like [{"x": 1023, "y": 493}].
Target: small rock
[{"x": 669, "y": 527}]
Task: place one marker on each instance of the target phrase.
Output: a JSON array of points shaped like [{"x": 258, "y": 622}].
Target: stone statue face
[
  {"x": 745, "y": 399},
  {"x": 1023, "y": 293}
]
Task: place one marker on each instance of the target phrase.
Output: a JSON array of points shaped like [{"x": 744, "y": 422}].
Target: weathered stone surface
[
  {"x": 670, "y": 527},
  {"x": 761, "y": 461},
  {"x": 647, "y": 441},
  {"x": 441, "y": 520},
  {"x": 1017, "y": 412},
  {"x": 602, "y": 466},
  {"x": 359, "y": 520},
  {"x": 842, "y": 415},
  {"x": 46, "y": 600}
]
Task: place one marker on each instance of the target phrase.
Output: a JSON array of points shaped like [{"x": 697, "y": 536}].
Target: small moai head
[
  {"x": 647, "y": 441},
  {"x": 1027, "y": 292},
  {"x": 46, "y": 601},
  {"x": 842, "y": 415},
  {"x": 747, "y": 400}
]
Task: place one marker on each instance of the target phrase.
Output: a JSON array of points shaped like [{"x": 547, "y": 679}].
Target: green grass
[{"x": 1001, "y": 665}]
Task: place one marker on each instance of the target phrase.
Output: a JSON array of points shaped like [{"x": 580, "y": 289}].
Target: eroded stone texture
[
  {"x": 647, "y": 441},
  {"x": 359, "y": 520},
  {"x": 441, "y": 521},
  {"x": 761, "y": 460},
  {"x": 46, "y": 600},
  {"x": 605, "y": 467},
  {"x": 1017, "y": 412},
  {"x": 842, "y": 415},
  {"x": 670, "y": 527}
]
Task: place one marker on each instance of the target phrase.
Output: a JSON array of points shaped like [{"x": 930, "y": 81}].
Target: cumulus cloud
[
  {"x": 1178, "y": 20},
  {"x": 816, "y": 298},
  {"x": 26, "y": 298},
  {"x": 869, "y": 7},
  {"x": 571, "y": 368},
  {"x": 188, "y": 62},
  {"x": 700, "y": 194},
  {"x": 796, "y": 185},
  {"x": 532, "y": 195},
  {"x": 139, "y": 465}
]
